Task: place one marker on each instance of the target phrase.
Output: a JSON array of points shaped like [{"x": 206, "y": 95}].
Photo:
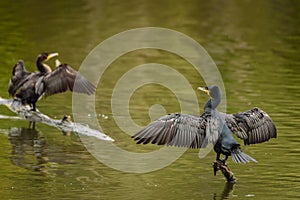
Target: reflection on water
[
  {"x": 27, "y": 148},
  {"x": 228, "y": 188}
]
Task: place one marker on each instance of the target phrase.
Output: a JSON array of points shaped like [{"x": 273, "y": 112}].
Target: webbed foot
[{"x": 221, "y": 165}]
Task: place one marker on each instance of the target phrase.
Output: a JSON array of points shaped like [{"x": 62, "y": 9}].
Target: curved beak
[
  {"x": 51, "y": 55},
  {"x": 204, "y": 90}
]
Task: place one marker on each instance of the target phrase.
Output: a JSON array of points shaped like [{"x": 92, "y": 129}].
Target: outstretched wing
[
  {"x": 176, "y": 129},
  {"x": 253, "y": 126},
  {"x": 18, "y": 78},
  {"x": 63, "y": 78}
]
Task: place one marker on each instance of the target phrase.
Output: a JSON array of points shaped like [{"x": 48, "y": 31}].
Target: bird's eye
[{"x": 206, "y": 87}]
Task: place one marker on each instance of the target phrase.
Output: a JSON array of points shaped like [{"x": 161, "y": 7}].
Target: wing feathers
[
  {"x": 174, "y": 130},
  {"x": 64, "y": 78},
  {"x": 253, "y": 126},
  {"x": 18, "y": 78}
]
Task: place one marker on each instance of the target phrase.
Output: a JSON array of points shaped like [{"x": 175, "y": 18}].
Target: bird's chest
[{"x": 225, "y": 141}]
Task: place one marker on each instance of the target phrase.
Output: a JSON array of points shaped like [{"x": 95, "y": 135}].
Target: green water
[{"x": 255, "y": 45}]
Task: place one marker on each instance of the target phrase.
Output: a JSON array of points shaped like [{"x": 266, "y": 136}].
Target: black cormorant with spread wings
[
  {"x": 30, "y": 87},
  {"x": 182, "y": 130}
]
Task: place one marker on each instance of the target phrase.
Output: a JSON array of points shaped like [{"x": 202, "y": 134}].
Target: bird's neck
[
  {"x": 42, "y": 67},
  {"x": 211, "y": 104},
  {"x": 215, "y": 102}
]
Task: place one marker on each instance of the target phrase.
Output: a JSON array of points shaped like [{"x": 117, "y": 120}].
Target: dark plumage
[
  {"x": 182, "y": 130},
  {"x": 30, "y": 87}
]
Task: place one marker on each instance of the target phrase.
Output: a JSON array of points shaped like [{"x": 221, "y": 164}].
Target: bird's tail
[{"x": 239, "y": 157}]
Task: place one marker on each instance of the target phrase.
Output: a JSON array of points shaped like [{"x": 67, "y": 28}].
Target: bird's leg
[
  {"x": 218, "y": 156},
  {"x": 216, "y": 164},
  {"x": 33, "y": 107},
  {"x": 224, "y": 159},
  {"x": 220, "y": 159},
  {"x": 32, "y": 123},
  {"x": 220, "y": 165}
]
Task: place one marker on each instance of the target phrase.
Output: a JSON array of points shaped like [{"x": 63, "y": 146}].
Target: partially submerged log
[
  {"x": 219, "y": 165},
  {"x": 65, "y": 124}
]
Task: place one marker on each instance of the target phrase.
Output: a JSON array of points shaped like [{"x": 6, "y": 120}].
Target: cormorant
[
  {"x": 182, "y": 130},
  {"x": 30, "y": 87}
]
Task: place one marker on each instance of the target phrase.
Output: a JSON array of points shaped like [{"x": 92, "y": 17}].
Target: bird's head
[
  {"x": 43, "y": 57},
  {"x": 213, "y": 91},
  {"x": 215, "y": 97}
]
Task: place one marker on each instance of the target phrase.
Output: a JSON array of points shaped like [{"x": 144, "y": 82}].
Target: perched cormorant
[
  {"x": 30, "y": 87},
  {"x": 182, "y": 130}
]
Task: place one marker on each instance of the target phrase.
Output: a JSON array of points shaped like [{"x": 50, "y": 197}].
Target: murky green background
[{"x": 255, "y": 45}]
